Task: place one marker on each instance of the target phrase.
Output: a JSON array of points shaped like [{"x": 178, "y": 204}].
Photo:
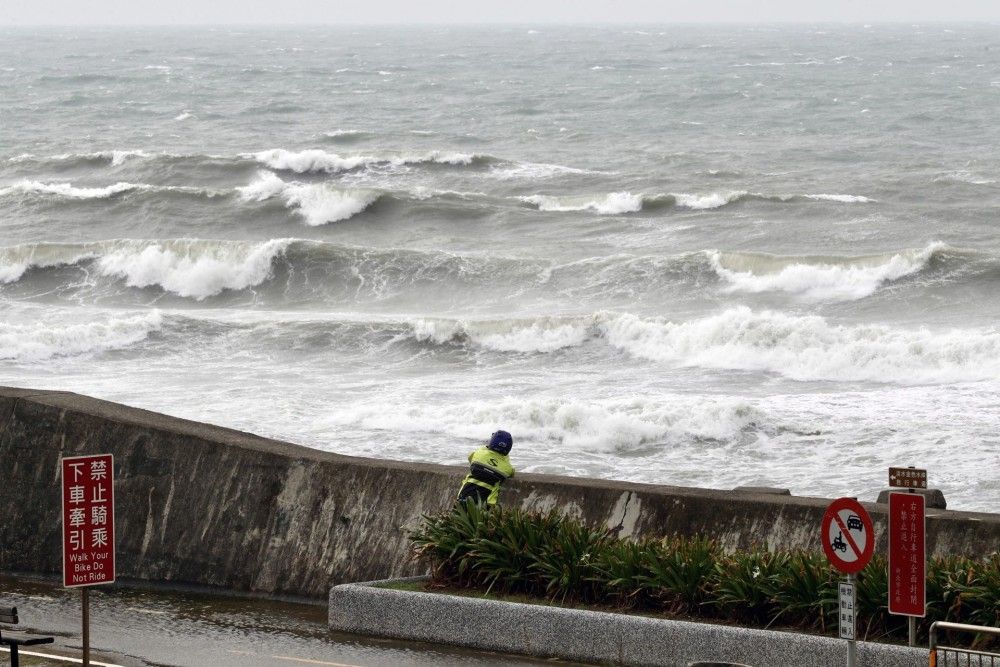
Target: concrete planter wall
[{"x": 587, "y": 636}]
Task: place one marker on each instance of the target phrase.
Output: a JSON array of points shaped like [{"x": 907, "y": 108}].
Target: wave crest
[
  {"x": 187, "y": 267},
  {"x": 192, "y": 268},
  {"x": 598, "y": 425},
  {"x": 839, "y": 278},
  {"x": 808, "y": 347},
  {"x": 626, "y": 202},
  {"x": 45, "y": 340},
  {"x": 541, "y": 335},
  {"x": 317, "y": 161},
  {"x": 317, "y": 203},
  {"x": 69, "y": 191}
]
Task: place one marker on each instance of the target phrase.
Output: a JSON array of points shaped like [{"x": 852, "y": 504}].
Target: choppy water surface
[{"x": 685, "y": 255}]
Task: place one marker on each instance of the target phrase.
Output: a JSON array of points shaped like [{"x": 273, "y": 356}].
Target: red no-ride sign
[
  {"x": 88, "y": 516},
  {"x": 907, "y": 556},
  {"x": 848, "y": 536}
]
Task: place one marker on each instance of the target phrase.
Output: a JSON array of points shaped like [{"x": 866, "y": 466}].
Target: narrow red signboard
[
  {"x": 88, "y": 516},
  {"x": 907, "y": 560}
]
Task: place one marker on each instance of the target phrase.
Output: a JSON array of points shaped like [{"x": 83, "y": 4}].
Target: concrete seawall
[{"x": 200, "y": 504}]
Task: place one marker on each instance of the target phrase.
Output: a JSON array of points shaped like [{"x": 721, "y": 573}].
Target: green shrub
[
  {"x": 804, "y": 590},
  {"x": 446, "y": 542},
  {"x": 549, "y": 555},
  {"x": 677, "y": 571},
  {"x": 742, "y": 585},
  {"x": 619, "y": 568},
  {"x": 566, "y": 562}
]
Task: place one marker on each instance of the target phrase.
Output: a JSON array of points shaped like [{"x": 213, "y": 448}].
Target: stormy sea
[{"x": 691, "y": 255}]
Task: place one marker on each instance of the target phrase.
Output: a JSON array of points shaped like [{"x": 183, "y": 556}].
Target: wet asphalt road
[{"x": 137, "y": 627}]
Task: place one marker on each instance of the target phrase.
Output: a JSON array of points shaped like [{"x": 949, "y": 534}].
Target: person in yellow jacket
[{"x": 489, "y": 467}]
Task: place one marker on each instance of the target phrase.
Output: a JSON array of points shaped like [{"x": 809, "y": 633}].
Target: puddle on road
[{"x": 136, "y": 625}]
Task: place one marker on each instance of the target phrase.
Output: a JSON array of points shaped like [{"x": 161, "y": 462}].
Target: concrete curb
[{"x": 586, "y": 636}]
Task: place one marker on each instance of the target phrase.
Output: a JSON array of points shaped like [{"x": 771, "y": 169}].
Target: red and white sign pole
[
  {"x": 848, "y": 541},
  {"x": 88, "y": 528}
]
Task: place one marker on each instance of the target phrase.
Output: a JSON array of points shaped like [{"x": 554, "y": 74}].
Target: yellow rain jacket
[{"x": 489, "y": 470}]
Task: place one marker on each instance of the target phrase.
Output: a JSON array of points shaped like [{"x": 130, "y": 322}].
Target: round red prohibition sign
[{"x": 848, "y": 536}]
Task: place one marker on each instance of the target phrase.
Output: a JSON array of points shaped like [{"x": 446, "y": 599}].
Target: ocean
[{"x": 692, "y": 255}]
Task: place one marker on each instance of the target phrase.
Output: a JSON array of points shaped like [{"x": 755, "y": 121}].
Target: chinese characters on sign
[
  {"x": 88, "y": 515},
  {"x": 908, "y": 478},
  {"x": 846, "y": 610},
  {"x": 907, "y": 565}
]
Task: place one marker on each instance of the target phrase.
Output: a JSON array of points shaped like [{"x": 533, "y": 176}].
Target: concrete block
[
  {"x": 587, "y": 636},
  {"x": 933, "y": 498}
]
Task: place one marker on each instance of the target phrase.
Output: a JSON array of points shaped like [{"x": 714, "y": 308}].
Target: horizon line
[{"x": 526, "y": 24}]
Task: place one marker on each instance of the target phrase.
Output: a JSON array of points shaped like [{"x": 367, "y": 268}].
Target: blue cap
[{"x": 501, "y": 442}]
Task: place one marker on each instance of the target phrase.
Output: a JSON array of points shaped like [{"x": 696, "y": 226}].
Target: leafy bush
[
  {"x": 742, "y": 585},
  {"x": 677, "y": 572},
  {"x": 560, "y": 558}
]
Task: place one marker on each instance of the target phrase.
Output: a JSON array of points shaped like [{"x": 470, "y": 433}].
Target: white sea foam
[
  {"x": 844, "y": 199},
  {"x": 839, "y": 278},
  {"x": 809, "y": 347},
  {"x": 195, "y": 268},
  {"x": 67, "y": 189},
  {"x": 115, "y": 158},
  {"x": 611, "y": 204},
  {"x": 534, "y": 170},
  {"x": 317, "y": 203},
  {"x": 190, "y": 268},
  {"x": 578, "y": 425},
  {"x": 709, "y": 201},
  {"x": 541, "y": 335},
  {"x": 626, "y": 202},
  {"x": 965, "y": 177},
  {"x": 39, "y": 341},
  {"x": 184, "y": 115},
  {"x": 316, "y": 160}
]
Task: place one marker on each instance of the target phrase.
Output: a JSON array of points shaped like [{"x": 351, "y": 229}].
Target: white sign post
[
  {"x": 848, "y": 540},
  {"x": 848, "y": 600}
]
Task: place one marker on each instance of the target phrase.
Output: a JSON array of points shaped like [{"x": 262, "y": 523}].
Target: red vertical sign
[
  {"x": 88, "y": 517},
  {"x": 907, "y": 556}
]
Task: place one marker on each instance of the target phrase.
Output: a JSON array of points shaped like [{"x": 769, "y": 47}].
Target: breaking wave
[
  {"x": 808, "y": 347},
  {"x": 297, "y": 270},
  {"x": 803, "y": 348},
  {"x": 316, "y": 161},
  {"x": 592, "y": 425},
  {"x": 113, "y": 158},
  {"x": 541, "y": 335},
  {"x": 187, "y": 267},
  {"x": 817, "y": 277},
  {"x": 69, "y": 191},
  {"x": 798, "y": 347},
  {"x": 44, "y": 340},
  {"x": 280, "y": 271},
  {"x": 614, "y": 203},
  {"x": 317, "y": 203},
  {"x": 627, "y": 202}
]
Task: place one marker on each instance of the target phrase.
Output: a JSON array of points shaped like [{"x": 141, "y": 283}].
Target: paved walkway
[{"x": 144, "y": 627}]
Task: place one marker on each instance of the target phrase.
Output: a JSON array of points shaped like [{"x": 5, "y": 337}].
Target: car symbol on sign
[{"x": 854, "y": 523}]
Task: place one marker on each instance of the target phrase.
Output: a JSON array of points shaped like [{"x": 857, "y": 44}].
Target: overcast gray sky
[{"x": 102, "y": 12}]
